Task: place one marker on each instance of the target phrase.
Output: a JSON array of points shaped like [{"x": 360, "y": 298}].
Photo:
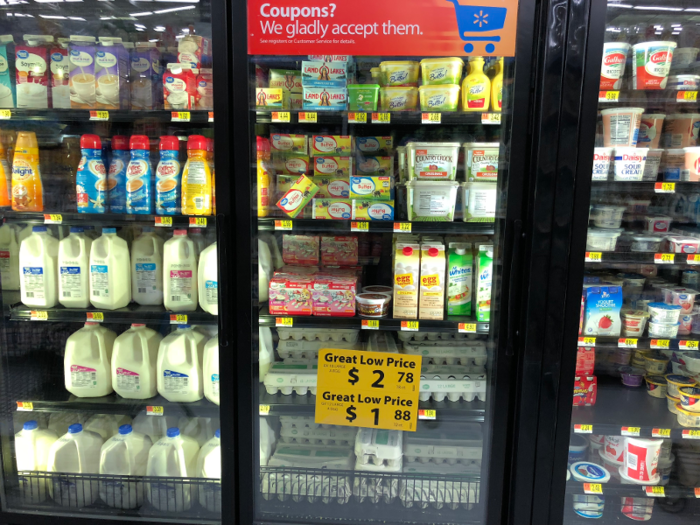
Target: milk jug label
[
  {"x": 175, "y": 382},
  {"x": 180, "y": 285},
  {"x": 99, "y": 280},
  {"x": 70, "y": 281},
  {"x": 128, "y": 380},
  {"x": 83, "y": 377},
  {"x": 215, "y": 384},
  {"x": 212, "y": 291},
  {"x": 4, "y": 261},
  {"x": 146, "y": 277},
  {"x": 33, "y": 281}
]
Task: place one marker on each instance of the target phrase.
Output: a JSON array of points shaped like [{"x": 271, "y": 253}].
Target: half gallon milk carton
[
  {"x": 174, "y": 456},
  {"x": 459, "y": 278},
  {"x": 147, "y": 268},
  {"x": 74, "y": 269},
  {"x": 9, "y": 257},
  {"x": 106, "y": 425},
  {"x": 406, "y": 280},
  {"x": 7, "y": 67},
  {"x": 81, "y": 56},
  {"x": 86, "y": 361},
  {"x": 77, "y": 452},
  {"x": 38, "y": 262},
  {"x": 211, "y": 370},
  {"x": 125, "y": 454},
  {"x": 179, "y": 368},
  {"x": 110, "y": 271},
  {"x": 60, "y": 74},
  {"x": 432, "y": 281},
  {"x": 180, "y": 273},
  {"x": 32, "y": 71},
  {"x": 146, "y": 77},
  {"x": 32, "y": 445},
  {"x": 208, "y": 275},
  {"x": 112, "y": 74},
  {"x": 209, "y": 467},
  {"x": 134, "y": 362}
]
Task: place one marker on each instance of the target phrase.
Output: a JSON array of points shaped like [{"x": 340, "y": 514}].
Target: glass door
[{"x": 110, "y": 352}]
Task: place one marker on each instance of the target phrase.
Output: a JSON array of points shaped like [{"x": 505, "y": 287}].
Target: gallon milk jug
[
  {"x": 174, "y": 456},
  {"x": 147, "y": 268},
  {"x": 60, "y": 421},
  {"x": 180, "y": 360},
  {"x": 9, "y": 257},
  {"x": 125, "y": 454},
  {"x": 32, "y": 446},
  {"x": 134, "y": 362},
  {"x": 78, "y": 452},
  {"x": 38, "y": 261},
  {"x": 200, "y": 428},
  {"x": 180, "y": 273},
  {"x": 153, "y": 427},
  {"x": 208, "y": 276},
  {"x": 91, "y": 179},
  {"x": 197, "y": 237},
  {"x": 86, "y": 361},
  {"x": 209, "y": 467},
  {"x": 106, "y": 425},
  {"x": 210, "y": 372},
  {"x": 74, "y": 269},
  {"x": 110, "y": 274}
]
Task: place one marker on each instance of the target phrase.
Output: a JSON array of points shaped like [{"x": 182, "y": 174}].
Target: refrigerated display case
[{"x": 110, "y": 288}]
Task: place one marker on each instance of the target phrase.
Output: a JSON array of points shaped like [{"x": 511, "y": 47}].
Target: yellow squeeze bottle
[
  {"x": 196, "y": 178},
  {"x": 27, "y": 189},
  {"x": 497, "y": 88},
  {"x": 210, "y": 159},
  {"x": 476, "y": 87}
]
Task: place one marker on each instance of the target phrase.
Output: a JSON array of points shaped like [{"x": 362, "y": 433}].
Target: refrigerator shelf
[
  {"x": 109, "y": 219},
  {"x": 642, "y": 186},
  {"x": 84, "y": 115},
  {"x": 664, "y": 260},
  {"x": 397, "y": 118},
  {"x": 683, "y": 342},
  {"x": 635, "y": 491},
  {"x": 321, "y": 225}
]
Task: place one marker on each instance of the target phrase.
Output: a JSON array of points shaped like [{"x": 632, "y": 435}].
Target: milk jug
[
  {"x": 106, "y": 425},
  {"x": 78, "y": 452},
  {"x": 209, "y": 467},
  {"x": 74, "y": 269},
  {"x": 91, "y": 179},
  {"x": 174, "y": 456},
  {"x": 180, "y": 360},
  {"x": 208, "y": 276},
  {"x": 60, "y": 421},
  {"x": 9, "y": 258},
  {"x": 134, "y": 362},
  {"x": 197, "y": 237},
  {"x": 147, "y": 268},
  {"x": 110, "y": 273},
  {"x": 180, "y": 273},
  {"x": 25, "y": 232},
  {"x": 125, "y": 454},
  {"x": 211, "y": 370},
  {"x": 86, "y": 361},
  {"x": 32, "y": 446},
  {"x": 153, "y": 427},
  {"x": 38, "y": 262},
  {"x": 200, "y": 428}
]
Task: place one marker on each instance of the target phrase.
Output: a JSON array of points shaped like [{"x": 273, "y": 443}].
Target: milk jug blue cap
[
  {"x": 77, "y": 229},
  {"x": 109, "y": 230},
  {"x": 173, "y": 432},
  {"x": 218, "y": 433},
  {"x": 75, "y": 428},
  {"x": 30, "y": 425},
  {"x": 125, "y": 429},
  {"x": 39, "y": 229}
]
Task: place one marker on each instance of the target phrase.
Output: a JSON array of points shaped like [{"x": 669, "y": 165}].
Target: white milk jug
[
  {"x": 209, "y": 466},
  {"x": 174, "y": 456},
  {"x": 196, "y": 236},
  {"x": 86, "y": 361},
  {"x": 180, "y": 273},
  {"x": 147, "y": 268},
  {"x": 208, "y": 275},
  {"x": 125, "y": 454},
  {"x": 153, "y": 427},
  {"x": 32, "y": 446},
  {"x": 38, "y": 261},
  {"x": 277, "y": 261},
  {"x": 106, "y": 425},
  {"x": 9, "y": 257},
  {"x": 60, "y": 421},
  {"x": 134, "y": 362},
  {"x": 180, "y": 360},
  {"x": 110, "y": 274},
  {"x": 25, "y": 232},
  {"x": 74, "y": 269},
  {"x": 266, "y": 352},
  {"x": 78, "y": 452},
  {"x": 202, "y": 429},
  {"x": 210, "y": 372},
  {"x": 20, "y": 418}
]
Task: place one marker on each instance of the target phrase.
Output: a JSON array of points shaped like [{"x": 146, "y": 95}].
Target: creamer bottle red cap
[
  {"x": 120, "y": 142},
  {"x": 139, "y": 142},
  {"x": 197, "y": 142},
  {"x": 90, "y": 142},
  {"x": 169, "y": 142}
]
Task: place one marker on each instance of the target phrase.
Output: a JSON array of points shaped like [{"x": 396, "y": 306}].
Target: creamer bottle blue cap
[{"x": 139, "y": 187}]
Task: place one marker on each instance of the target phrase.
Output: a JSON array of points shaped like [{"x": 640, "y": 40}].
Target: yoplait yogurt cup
[
  {"x": 652, "y": 62},
  {"x": 613, "y": 66}
]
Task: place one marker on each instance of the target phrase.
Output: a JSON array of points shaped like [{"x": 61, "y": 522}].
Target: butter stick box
[
  {"x": 336, "y": 209},
  {"x": 319, "y": 97},
  {"x": 372, "y": 210},
  {"x": 375, "y": 165},
  {"x": 332, "y": 145},
  {"x": 339, "y": 166},
  {"x": 332, "y": 73},
  {"x": 330, "y": 187},
  {"x": 377, "y": 188},
  {"x": 272, "y": 98}
]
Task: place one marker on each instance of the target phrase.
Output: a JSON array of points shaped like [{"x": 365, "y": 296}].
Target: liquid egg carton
[
  {"x": 438, "y": 493},
  {"x": 453, "y": 382},
  {"x": 382, "y": 448},
  {"x": 449, "y": 352},
  {"x": 317, "y": 436},
  {"x": 291, "y": 378},
  {"x": 408, "y": 337},
  {"x": 309, "y": 334},
  {"x": 375, "y": 487},
  {"x": 463, "y": 445},
  {"x": 309, "y": 349}
]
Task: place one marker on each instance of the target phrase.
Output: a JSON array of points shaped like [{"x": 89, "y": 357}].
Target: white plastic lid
[{"x": 588, "y": 472}]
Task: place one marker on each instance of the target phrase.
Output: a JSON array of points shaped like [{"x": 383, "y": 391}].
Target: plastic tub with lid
[
  {"x": 671, "y": 403},
  {"x": 665, "y": 467},
  {"x": 691, "y": 360},
  {"x": 646, "y": 242},
  {"x": 632, "y": 375},
  {"x": 656, "y": 386},
  {"x": 687, "y": 418},
  {"x": 683, "y": 82},
  {"x": 676, "y": 382},
  {"x": 658, "y": 223},
  {"x": 605, "y": 216},
  {"x": 655, "y": 363},
  {"x": 690, "y": 398},
  {"x": 372, "y": 304},
  {"x": 633, "y": 322},
  {"x": 659, "y": 329},
  {"x": 432, "y": 200},
  {"x": 682, "y": 244},
  {"x": 578, "y": 445},
  {"x": 602, "y": 239},
  {"x": 589, "y": 506},
  {"x": 664, "y": 313}
]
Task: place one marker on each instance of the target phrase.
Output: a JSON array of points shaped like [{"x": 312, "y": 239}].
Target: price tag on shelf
[
  {"x": 38, "y": 315},
  {"x": 164, "y": 222},
  {"x": 179, "y": 116},
  {"x": 264, "y": 410},
  {"x": 665, "y": 187},
  {"x": 370, "y": 324},
  {"x": 409, "y": 326},
  {"x": 381, "y": 118},
  {"x": 583, "y": 429},
  {"x": 659, "y": 343},
  {"x": 283, "y": 225},
  {"x": 688, "y": 345},
  {"x": 5, "y": 114},
  {"x": 431, "y": 118},
  {"x": 608, "y": 96},
  {"x": 490, "y": 118},
  {"x": 586, "y": 341},
  {"x": 664, "y": 258},
  {"x": 690, "y": 434},
  {"x": 594, "y": 256},
  {"x": 95, "y": 317},
  {"x": 178, "y": 318},
  {"x": 308, "y": 118},
  {"x": 402, "y": 227},
  {"x": 466, "y": 328},
  {"x": 357, "y": 118},
  {"x": 592, "y": 488},
  {"x": 362, "y": 226},
  {"x": 211, "y": 116},
  {"x": 630, "y": 431},
  {"x": 627, "y": 343},
  {"x": 694, "y": 258},
  {"x": 198, "y": 222},
  {"x": 53, "y": 218},
  {"x": 687, "y": 96},
  {"x": 280, "y": 116},
  {"x": 25, "y": 406},
  {"x": 697, "y": 492},
  {"x": 99, "y": 115},
  {"x": 154, "y": 411},
  {"x": 655, "y": 492},
  {"x": 661, "y": 432},
  {"x": 427, "y": 414},
  {"x": 284, "y": 321}
]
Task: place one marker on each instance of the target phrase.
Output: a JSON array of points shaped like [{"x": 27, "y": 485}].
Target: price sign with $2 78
[{"x": 367, "y": 389}]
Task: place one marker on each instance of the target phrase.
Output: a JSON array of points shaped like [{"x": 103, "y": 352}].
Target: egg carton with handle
[
  {"x": 375, "y": 487},
  {"x": 463, "y": 445},
  {"x": 452, "y": 383},
  {"x": 437, "y": 337},
  {"x": 335, "y": 335},
  {"x": 379, "y": 447},
  {"x": 291, "y": 378},
  {"x": 438, "y": 493},
  {"x": 309, "y": 349},
  {"x": 317, "y": 436},
  {"x": 449, "y": 352}
]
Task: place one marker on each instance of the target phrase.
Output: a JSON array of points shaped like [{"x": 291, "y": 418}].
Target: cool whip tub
[
  {"x": 652, "y": 164},
  {"x": 601, "y": 163},
  {"x": 621, "y": 126},
  {"x": 684, "y": 56},
  {"x": 680, "y": 244},
  {"x": 432, "y": 160},
  {"x": 440, "y": 71},
  {"x": 479, "y": 200},
  {"x": 431, "y": 200},
  {"x": 439, "y": 98},
  {"x": 658, "y": 223},
  {"x": 692, "y": 164},
  {"x": 602, "y": 239},
  {"x": 613, "y": 66},
  {"x": 607, "y": 216},
  {"x": 398, "y": 98},
  {"x": 652, "y": 61},
  {"x": 681, "y": 130}
]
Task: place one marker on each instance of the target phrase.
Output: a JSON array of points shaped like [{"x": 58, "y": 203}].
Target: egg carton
[
  {"x": 327, "y": 334},
  {"x": 300, "y": 360},
  {"x": 449, "y": 352},
  {"x": 436, "y": 492},
  {"x": 454, "y": 383},
  {"x": 286, "y": 379},
  {"x": 317, "y": 436},
  {"x": 375, "y": 488},
  {"x": 463, "y": 444},
  {"x": 416, "y": 337},
  {"x": 379, "y": 447},
  {"x": 309, "y": 349},
  {"x": 301, "y": 422},
  {"x": 381, "y": 342}
]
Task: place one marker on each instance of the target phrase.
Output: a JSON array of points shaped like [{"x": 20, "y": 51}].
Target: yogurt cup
[
  {"x": 691, "y": 360},
  {"x": 658, "y": 329},
  {"x": 641, "y": 459},
  {"x": 633, "y": 322},
  {"x": 578, "y": 445},
  {"x": 646, "y": 242},
  {"x": 656, "y": 386},
  {"x": 690, "y": 398},
  {"x": 657, "y": 223},
  {"x": 605, "y": 216},
  {"x": 676, "y": 382},
  {"x": 686, "y": 324},
  {"x": 614, "y": 449},
  {"x": 671, "y": 403},
  {"x": 631, "y": 376},
  {"x": 687, "y": 418},
  {"x": 664, "y": 313},
  {"x": 613, "y": 66},
  {"x": 684, "y": 56},
  {"x": 621, "y": 126},
  {"x": 685, "y": 298},
  {"x": 655, "y": 363},
  {"x": 683, "y": 82},
  {"x": 629, "y": 163},
  {"x": 443, "y": 97},
  {"x": 372, "y": 304},
  {"x": 652, "y": 61},
  {"x": 650, "y": 129},
  {"x": 652, "y": 165},
  {"x": 601, "y": 239},
  {"x": 637, "y": 509},
  {"x": 691, "y": 171},
  {"x": 680, "y": 130},
  {"x": 602, "y": 158}
]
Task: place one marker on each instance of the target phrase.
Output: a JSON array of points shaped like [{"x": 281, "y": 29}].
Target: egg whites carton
[
  {"x": 336, "y": 335},
  {"x": 414, "y": 337},
  {"x": 438, "y": 493},
  {"x": 325, "y": 436},
  {"x": 462, "y": 444},
  {"x": 309, "y": 349},
  {"x": 453, "y": 383},
  {"x": 291, "y": 378},
  {"x": 449, "y": 352},
  {"x": 379, "y": 447},
  {"x": 375, "y": 488}
]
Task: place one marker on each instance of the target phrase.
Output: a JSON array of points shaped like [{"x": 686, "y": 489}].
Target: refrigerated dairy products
[
  {"x": 180, "y": 287},
  {"x": 77, "y": 452},
  {"x": 32, "y": 445},
  {"x": 459, "y": 279},
  {"x": 197, "y": 237},
  {"x": 9, "y": 257},
  {"x": 154, "y": 427},
  {"x": 27, "y": 188},
  {"x": 265, "y": 271},
  {"x": 147, "y": 268},
  {"x": 134, "y": 359},
  {"x": 86, "y": 361},
  {"x": 5, "y": 170},
  {"x": 424, "y": 492},
  {"x": 196, "y": 178},
  {"x": 291, "y": 378},
  {"x": 379, "y": 447},
  {"x": 484, "y": 283},
  {"x": 38, "y": 262},
  {"x": 406, "y": 273},
  {"x": 373, "y": 487},
  {"x": 453, "y": 382},
  {"x": 60, "y": 421},
  {"x": 106, "y": 425},
  {"x": 460, "y": 444},
  {"x": 201, "y": 429},
  {"x": 168, "y": 177},
  {"x": 208, "y": 280},
  {"x": 476, "y": 87},
  {"x": 124, "y": 454},
  {"x": 432, "y": 281},
  {"x": 180, "y": 360},
  {"x": 210, "y": 373},
  {"x": 139, "y": 186},
  {"x": 267, "y": 440},
  {"x": 110, "y": 271},
  {"x": 91, "y": 179},
  {"x": 266, "y": 353},
  {"x": 454, "y": 352},
  {"x": 329, "y": 435},
  {"x": 327, "y": 334},
  {"x": 74, "y": 269},
  {"x": 209, "y": 467},
  {"x": 116, "y": 177},
  {"x": 174, "y": 456}
]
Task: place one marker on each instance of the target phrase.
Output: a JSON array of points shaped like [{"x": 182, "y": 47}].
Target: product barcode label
[
  {"x": 154, "y": 411},
  {"x": 178, "y": 319},
  {"x": 25, "y": 406},
  {"x": 659, "y": 343},
  {"x": 663, "y": 258},
  {"x": 426, "y": 414},
  {"x": 179, "y": 116},
  {"x": 99, "y": 115},
  {"x": 357, "y": 118},
  {"x": 466, "y": 328},
  {"x": 592, "y": 488},
  {"x": 410, "y": 326},
  {"x": 370, "y": 324},
  {"x": 654, "y": 492},
  {"x": 381, "y": 118},
  {"x": 627, "y": 343},
  {"x": 431, "y": 118}
]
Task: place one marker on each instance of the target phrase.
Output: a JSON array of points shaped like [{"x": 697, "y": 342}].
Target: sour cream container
[
  {"x": 652, "y": 165},
  {"x": 605, "y": 216},
  {"x": 602, "y": 158},
  {"x": 621, "y": 126},
  {"x": 587, "y": 472},
  {"x": 629, "y": 163}
]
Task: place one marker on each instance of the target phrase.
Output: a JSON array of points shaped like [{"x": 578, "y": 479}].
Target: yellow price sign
[
  {"x": 627, "y": 343},
  {"x": 357, "y": 118},
  {"x": 53, "y": 218},
  {"x": 367, "y": 389},
  {"x": 655, "y": 491},
  {"x": 361, "y": 226},
  {"x": 592, "y": 488},
  {"x": 154, "y": 411},
  {"x": 283, "y": 225},
  {"x": 409, "y": 326},
  {"x": 689, "y": 345},
  {"x": 691, "y": 434},
  {"x": 583, "y": 429},
  {"x": 594, "y": 256},
  {"x": 284, "y": 321},
  {"x": 39, "y": 315},
  {"x": 402, "y": 227},
  {"x": 5, "y": 114},
  {"x": 198, "y": 222},
  {"x": 25, "y": 406},
  {"x": 664, "y": 258},
  {"x": 95, "y": 317},
  {"x": 490, "y": 118},
  {"x": 211, "y": 116},
  {"x": 586, "y": 341},
  {"x": 178, "y": 318},
  {"x": 381, "y": 118},
  {"x": 99, "y": 115},
  {"x": 370, "y": 324},
  {"x": 630, "y": 431},
  {"x": 466, "y": 328},
  {"x": 164, "y": 222},
  {"x": 431, "y": 118},
  {"x": 427, "y": 414},
  {"x": 180, "y": 116},
  {"x": 659, "y": 343},
  {"x": 609, "y": 96},
  {"x": 264, "y": 410},
  {"x": 281, "y": 116},
  {"x": 665, "y": 187},
  {"x": 309, "y": 118},
  {"x": 687, "y": 96},
  {"x": 661, "y": 432},
  {"x": 694, "y": 258}
]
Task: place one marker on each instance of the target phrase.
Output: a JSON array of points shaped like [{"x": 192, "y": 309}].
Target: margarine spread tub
[
  {"x": 435, "y": 71},
  {"x": 399, "y": 73},
  {"x": 439, "y": 98},
  {"x": 398, "y": 98},
  {"x": 433, "y": 160}
]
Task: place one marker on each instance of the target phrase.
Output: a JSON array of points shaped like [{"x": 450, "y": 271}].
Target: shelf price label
[
  {"x": 402, "y": 227},
  {"x": 427, "y": 414},
  {"x": 608, "y": 96},
  {"x": 409, "y": 326},
  {"x": 594, "y": 256},
  {"x": 655, "y": 492},
  {"x": 490, "y": 118},
  {"x": 370, "y": 324},
  {"x": 178, "y": 318},
  {"x": 694, "y": 258},
  {"x": 164, "y": 222},
  {"x": 357, "y": 118},
  {"x": 25, "y": 406},
  {"x": 53, "y": 218},
  {"x": 287, "y": 322},
  {"x": 95, "y": 317},
  {"x": 627, "y": 343},
  {"x": 691, "y": 434},
  {"x": 368, "y": 389},
  {"x": 280, "y": 116},
  {"x": 661, "y": 432},
  {"x": 179, "y": 116},
  {"x": 664, "y": 258},
  {"x": 665, "y": 187},
  {"x": 583, "y": 429},
  {"x": 198, "y": 222},
  {"x": 688, "y": 345},
  {"x": 630, "y": 431},
  {"x": 308, "y": 118},
  {"x": 5, "y": 114},
  {"x": 697, "y": 492},
  {"x": 592, "y": 488},
  {"x": 466, "y": 328},
  {"x": 264, "y": 410},
  {"x": 154, "y": 411},
  {"x": 283, "y": 225},
  {"x": 687, "y": 96},
  {"x": 431, "y": 118},
  {"x": 39, "y": 315},
  {"x": 211, "y": 116},
  {"x": 381, "y": 118},
  {"x": 99, "y": 115},
  {"x": 586, "y": 341},
  {"x": 660, "y": 343},
  {"x": 361, "y": 226}
]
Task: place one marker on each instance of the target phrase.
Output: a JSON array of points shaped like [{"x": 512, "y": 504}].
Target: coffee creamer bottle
[
  {"x": 147, "y": 268},
  {"x": 476, "y": 87},
  {"x": 110, "y": 271},
  {"x": 27, "y": 189},
  {"x": 134, "y": 361},
  {"x": 116, "y": 177},
  {"x": 139, "y": 187},
  {"x": 180, "y": 273},
  {"x": 74, "y": 269},
  {"x": 5, "y": 178},
  {"x": 38, "y": 262},
  {"x": 9, "y": 257},
  {"x": 125, "y": 454},
  {"x": 91, "y": 179},
  {"x": 32, "y": 445},
  {"x": 210, "y": 158},
  {"x": 196, "y": 178},
  {"x": 168, "y": 177},
  {"x": 86, "y": 361},
  {"x": 497, "y": 88}
]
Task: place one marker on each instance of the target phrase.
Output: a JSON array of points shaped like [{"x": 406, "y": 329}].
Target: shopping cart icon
[{"x": 479, "y": 19}]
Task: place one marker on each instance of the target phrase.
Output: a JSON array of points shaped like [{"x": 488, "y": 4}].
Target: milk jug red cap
[
  {"x": 120, "y": 142},
  {"x": 90, "y": 142},
  {"x": 433, "y": 252},
  {"x": 137, "y": 325},
  {"x": 408, "y": 251},
  {"x": 196, "y": 142},
  {"x": 173, "y": 432},
  {"x": 169, "y": 142},
  {"x": 180, "y": 232},
  {"x": 139, "y": 142}
]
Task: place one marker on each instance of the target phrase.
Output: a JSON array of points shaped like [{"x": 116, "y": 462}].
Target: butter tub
[
  {"x": 376, "y": 188},
  {"x": 437, "y": 71},
  {"x": 431, "y": 200},
  {"x": 372, "y": 210},
  {"x": 336, "y": 209},
  {"x": 399, "y": 73},
  {"x": 363, "y": 97},
  {"x": 432, "y": 160},
  {"x": 398, "y": 98},
  {"x": 375, "y": 165},
  {"x": 439, "y": 98}
]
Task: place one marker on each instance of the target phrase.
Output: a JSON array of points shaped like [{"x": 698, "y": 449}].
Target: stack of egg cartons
[{"x": 379, "y": 453}]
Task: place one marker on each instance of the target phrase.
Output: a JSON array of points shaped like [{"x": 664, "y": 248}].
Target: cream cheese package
[
  {"x": 332, "y": 74},
  {"x": 481, "y": 161},
  {"x": 337, "y": 209},
  {"x": 432, "y": 160},
  {"x": 319, "y": 97},
  {"x": 330, "y": 187},
  {"x": 332, "y": 145},
  {"x": 375, "y": 145},
  {"x": 338, "y": 166},
  {"x": 285, "y": 79},
  {"x": 372, "y": 210},
  {"x": 375, "y": 166},
  {"x": 377, "y": 188}
]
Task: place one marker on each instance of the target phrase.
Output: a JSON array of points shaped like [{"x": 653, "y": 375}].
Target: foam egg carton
[
  {"x": 291, "y": 378},
  {"x": 408, "y": 337},
  {"x": 317, "y": 436},
  {"x": 301, "y": 422},
  {"x": 453, "y": 382},
  {"x": 375, "y": 487},
  {"x": 462, "y": 444},
  {"x": 438, "y": 493},
  {"x": 309, "y": 349},
  {"x": 449, "y": 352},
  {"x": 381, "y": 342},
  {"x": 379, "y": 447},
  {"x": 336, "y": 335}
]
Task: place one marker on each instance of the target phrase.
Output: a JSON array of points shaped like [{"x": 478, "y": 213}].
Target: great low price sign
[{"x": 386, "y": 27}]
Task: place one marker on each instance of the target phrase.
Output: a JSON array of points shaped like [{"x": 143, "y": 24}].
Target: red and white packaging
[
  {"x": 290, "y": 295},
  {"x": 614, "y": 448},
  {"x": 638, "y": 509},
  {"x": 195, "y": 51},
  {"x": 339, "y": 250},
  {"x": 179, "y": 87},
  {"x": 585, "y": 391},
  {"x": 334, "y": 296},
  {"x": 585, "y": 361},
  {"x": 300, "y": 250},
  {"x": 33, "y": 72},
  {"x": 641, "y": 459},
  {"x": 205, "y": 89}
]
